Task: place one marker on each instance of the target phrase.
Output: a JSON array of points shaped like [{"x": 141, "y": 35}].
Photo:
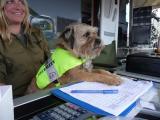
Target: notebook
[{"x": 105, "y": 104}]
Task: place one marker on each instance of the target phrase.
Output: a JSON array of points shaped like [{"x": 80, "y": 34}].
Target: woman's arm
[{"x": 3, "y": 72}]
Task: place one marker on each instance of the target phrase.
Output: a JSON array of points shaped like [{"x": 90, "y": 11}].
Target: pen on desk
[{"x": 115, "y": 91}]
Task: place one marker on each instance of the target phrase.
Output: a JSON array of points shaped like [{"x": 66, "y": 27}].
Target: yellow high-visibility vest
[{"x": 60, "y": 62}]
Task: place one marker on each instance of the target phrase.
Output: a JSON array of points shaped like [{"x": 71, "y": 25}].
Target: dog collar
[{"x": 60, "y": 62}]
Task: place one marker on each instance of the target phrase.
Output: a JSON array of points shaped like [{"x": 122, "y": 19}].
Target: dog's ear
[{"x": 68, "y": 36}]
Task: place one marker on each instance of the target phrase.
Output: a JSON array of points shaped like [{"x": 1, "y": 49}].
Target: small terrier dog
[{"x": 82, "y": 41}]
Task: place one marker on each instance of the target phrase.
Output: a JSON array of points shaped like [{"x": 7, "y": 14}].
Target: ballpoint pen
[{"x": 114, "y": 91}]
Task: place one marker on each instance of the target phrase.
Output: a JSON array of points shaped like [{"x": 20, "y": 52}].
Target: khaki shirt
[{"x": 19, "y": 63}]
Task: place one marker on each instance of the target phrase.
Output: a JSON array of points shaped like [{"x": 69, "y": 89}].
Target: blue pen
[{"x": 115, "y": 91}]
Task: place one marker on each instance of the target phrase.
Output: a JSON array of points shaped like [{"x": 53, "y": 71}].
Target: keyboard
[{"x": 66, "y": 111}]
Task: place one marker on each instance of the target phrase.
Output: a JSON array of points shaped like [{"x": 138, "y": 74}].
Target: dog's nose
[{"x": 97, "y": 41}]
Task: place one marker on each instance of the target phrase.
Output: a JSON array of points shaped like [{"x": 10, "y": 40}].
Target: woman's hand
[
  {"x": 2, "y": 84},
  {"x": 32, "y": 87}
]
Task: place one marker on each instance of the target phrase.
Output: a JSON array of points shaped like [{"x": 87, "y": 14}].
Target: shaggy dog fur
[{"x": 82, "y": 41}]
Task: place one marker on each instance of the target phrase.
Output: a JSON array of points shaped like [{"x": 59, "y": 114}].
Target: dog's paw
[{"x": 115, "y": 81}]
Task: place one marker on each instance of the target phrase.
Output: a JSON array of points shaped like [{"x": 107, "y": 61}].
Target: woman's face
[{"x": 14, "y": 11}]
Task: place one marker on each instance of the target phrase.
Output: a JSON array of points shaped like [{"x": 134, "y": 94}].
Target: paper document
[
  {"x": 128, "y": 92},
  {"x": 6, "y": 103},
  {"x": 0, "y": 95}
]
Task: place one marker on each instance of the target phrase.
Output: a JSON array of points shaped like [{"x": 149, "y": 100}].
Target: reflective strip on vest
[{"x": 60, "y": 62}]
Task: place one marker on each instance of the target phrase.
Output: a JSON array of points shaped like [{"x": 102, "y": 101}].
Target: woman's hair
[{"x": 4, "y": 32}]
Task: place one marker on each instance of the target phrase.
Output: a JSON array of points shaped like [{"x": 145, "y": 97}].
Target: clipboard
[
  {"x": 58, "y": 93},
  {"x": 117, "y": 104}
]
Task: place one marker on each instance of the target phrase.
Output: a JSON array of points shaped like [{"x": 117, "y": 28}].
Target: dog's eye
[{"x": 86, "y": 34}]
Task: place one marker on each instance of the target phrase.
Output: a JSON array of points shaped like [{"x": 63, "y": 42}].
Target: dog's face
[{"x": 82, "y": 40}]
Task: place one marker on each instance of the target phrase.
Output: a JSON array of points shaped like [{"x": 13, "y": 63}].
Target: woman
[{"x": 22, "y": 48}]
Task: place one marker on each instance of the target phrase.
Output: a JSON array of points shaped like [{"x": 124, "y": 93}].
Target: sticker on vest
[{"x": 51, "y": 71}]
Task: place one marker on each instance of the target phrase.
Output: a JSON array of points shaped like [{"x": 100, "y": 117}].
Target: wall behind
[{"x": 64, "y": 8}]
